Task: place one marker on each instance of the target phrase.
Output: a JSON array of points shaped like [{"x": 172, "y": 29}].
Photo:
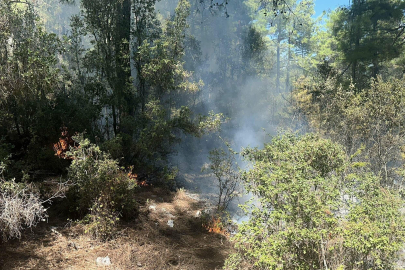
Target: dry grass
[
  {"x": 19, "y": 208},
  {"x": 147, "y": 243}
]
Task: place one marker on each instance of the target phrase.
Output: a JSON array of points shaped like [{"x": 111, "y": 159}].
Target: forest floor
[{"x": 149, "y": 242}]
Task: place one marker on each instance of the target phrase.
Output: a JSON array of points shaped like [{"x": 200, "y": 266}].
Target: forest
[{"x": 202, "y": 134}]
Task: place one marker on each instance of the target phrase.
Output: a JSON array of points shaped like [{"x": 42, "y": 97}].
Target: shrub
[
  {"x": 314, "y": 211},
  {"x": 371, "y": 119},
  {"x": 223, "y": 167},
  {"x": 101, "y": 186},
  {"x": 114, "y": 147},
  {"x": 102, "y": 219}
]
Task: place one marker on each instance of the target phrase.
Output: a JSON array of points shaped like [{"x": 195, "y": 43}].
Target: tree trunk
[
  {"x": 278, "y": 68},
  {"x": 287, "y": 80}
]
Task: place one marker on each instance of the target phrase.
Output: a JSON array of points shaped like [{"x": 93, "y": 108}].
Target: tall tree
[
  {"x": 146, "y": 28},
  {"x": 109, "y": 23},
  {"x": 289, "y": 28},
  {"x": 369, "y": 32},
  {"x": 28, "y": 73}
]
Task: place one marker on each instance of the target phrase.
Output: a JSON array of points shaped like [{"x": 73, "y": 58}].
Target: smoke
[
  {"x": 241, "y": 88},
  {"x": 233, "y": 85},
  {"x": 56, "y": 14}
]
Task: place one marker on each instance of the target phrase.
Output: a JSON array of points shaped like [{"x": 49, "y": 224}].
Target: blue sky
[{"x": 321, "y": 5}]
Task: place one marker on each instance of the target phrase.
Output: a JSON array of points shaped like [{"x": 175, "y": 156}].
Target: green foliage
[
  {"x": 372, "y": 119},
  {"x": 108, "y": 24},
  {"x": 155, "y": 140},
  {"x": 292, "y": 38},
  {"x": 254, "y": 51},
  {"x": 114, "y": 147},
  {"x": 163, "y": 68},
  {"x": 28, "y": 76},
  {"x": 42, "y": 158},
  {"x": 99, "y": 185},
  {"x": 5, "y": 149},
  {"x": 313, "y": 213},
  {"x": 373, "y": 230},
  {"x": 102, "y": 220},
  {"x": 368, "y": 34}
]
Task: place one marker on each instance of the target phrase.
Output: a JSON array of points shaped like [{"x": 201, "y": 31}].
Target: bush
[
  {"x": 315, "y": 211},
  {"x": 20, "y": 207},
  {"x": 101, "y": 186},
  {"x": 223, "y": 167},
  {"x": 371, "y": 119},
  {"x": 114, "y": 147},
  {"x": 103, "y": 219}
]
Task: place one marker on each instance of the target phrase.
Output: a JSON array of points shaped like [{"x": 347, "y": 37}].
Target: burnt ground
[{"x": 146, "y": 243}]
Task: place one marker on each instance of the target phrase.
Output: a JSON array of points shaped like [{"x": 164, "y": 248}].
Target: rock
[
  {"x": 53, "y": 230},
  {"x": 139, "y": 264},
  {"x": 170, "y": 223},
  {"x": 103, "y": 261}
]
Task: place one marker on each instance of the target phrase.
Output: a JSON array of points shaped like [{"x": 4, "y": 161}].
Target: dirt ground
[{"x": 149, "y": 242}]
